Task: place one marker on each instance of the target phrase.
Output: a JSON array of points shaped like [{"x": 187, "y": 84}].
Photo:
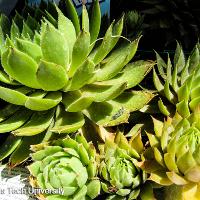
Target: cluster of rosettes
[
  {"x": 55, "y": 71},
  {"x": 174, "y": 152},
  {"x": 74, "y": 166}
]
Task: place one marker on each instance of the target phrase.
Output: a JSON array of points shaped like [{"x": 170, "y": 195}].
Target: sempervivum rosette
[
  {"x": 120, "y": 172},
  {"x": 69, "y": 165},
  {"x": 59, "y": 71},
  {"x": 173, "y": 155},
  {"x": 179, "y": 82}
]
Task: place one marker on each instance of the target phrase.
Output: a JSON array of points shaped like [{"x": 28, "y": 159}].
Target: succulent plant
[
  {"x": 173, "y": 155},
  {"x": 179, "y": 83},
  {"x": 68, "y": 165},
  {"x": 56, "y": 71},
  {"x": 120, "y": 171}
]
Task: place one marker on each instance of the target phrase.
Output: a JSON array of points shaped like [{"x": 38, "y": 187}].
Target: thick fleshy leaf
[
  {"x": 71, "y": 12},
  {"x": 26, "y": 31},
  {"x": 193, "y": 174},
  {"x": 158, "y": 84},
  {"x": 95, "y": 21},
  {"x": 158, "y": 126},
  {"x": 82, "y": 76},
  {"x": 186, "y": 162},
  {"x": 14, "y": 32},
  {"x": 22, "y": 152},
  {"x": 194, "y": 59},
  {"x": 9, "y": 146},
  {"x": 160, "y": 178},
  {"x": 5, "y": 24},
  {"x": 38, "y": 123},
  {"x": 175, "y": 178},
  {"x": 93, "y": 189},
  {"x": 50, "y": 76},
  {"x": 111, "y": 38},
  {"x": 179, "y": 58},
  {"x": 134, "y": 100},
  {"x": 194, "y": 103},
  {"x": 100, "y": 92},
  {"x": 15, "y": 121},
  {"x": 80, "y": 51},
  {"x": 7, "y": 111},
  {"x": 55, "y": 47},
  {"x": 30, "y": 48},
  {"x": 113, "y": 64},
  {"x": 164, "y": 110},
  {"x": 107, "y": 113},
  {"x": 183, "y": 108},
  {"x": 6, "y": 79},
  {"x": 13, "y": 96},
  {"x": 66, "y": 27},
  {"x": 67, "y": 122},
  {"x": 133, "y": 73},
  {"x": 161, "y": 66},
  {"x": 170, "y": 162},
  {"x": 46, "y": 103},
  {"x": 22, "y": 68},
  {"x": 85, "y": 19},
  {"x": 75, "y": 101}
]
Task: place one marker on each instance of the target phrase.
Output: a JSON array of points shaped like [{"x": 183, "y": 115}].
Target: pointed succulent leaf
[
  {"x": 55, "y": 47},
  {"x": 14, "y": 32},
  {"x": 100, "y": 92},
  {"x": 68, "y": 122},
  {"x": 163, "y": 108},
  {"x": 80, "y": 51},
  {"x": 179, "y": 58},
  {"x": 134, "y": 100},
  {"x": 51, "y": 76},
  {"x": 194, "y": 59},
  {"x": 31, "y": 49},
  {"x": 113, "y": 64},
  {"x": 107, "y": 113},
  {"x": 82, "y": 76},
  {"x": 183, "y": 108},
  {"x": 22, "y": 152},
  {"x": 71, "y": 12},
  {"x": 26, "y": 31},
  {"x": 22, "y": 68},
  {"x": 85, "y": 19},
  {"x": 41, "y": 104},
  {"x": 15, "y": 121},
  {"x": 106, "y": 46},
  {"x": 12, "y": 96},
  {"x": 9, "y": 145},
  {"x": 95, "y": 21},
  {"x": 75, "y": 101},
  {"x": 139, "y": 68},
  {"x": 66, "y": 27},
  {"x": 161, "y": 66},
  {"x": 38, "y": 123}
]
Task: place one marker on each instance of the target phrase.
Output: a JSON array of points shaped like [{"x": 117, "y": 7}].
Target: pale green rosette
[
  {"x": 120, "y": 172},
  {"x": 68, "y": 165}
]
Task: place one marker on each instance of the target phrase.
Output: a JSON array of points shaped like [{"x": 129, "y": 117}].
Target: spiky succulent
[
  {"x": 120, "y": 173},
  {"x": 173, "y": 155},
  {"x": 179, "y": 83},
  {"x": 68, "y": 165},
  {"x": 57, "y": 71}
]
